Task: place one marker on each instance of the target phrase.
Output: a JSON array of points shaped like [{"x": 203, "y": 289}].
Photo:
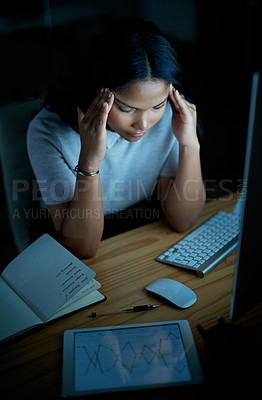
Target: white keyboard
[{"x": 202, "y": 249}]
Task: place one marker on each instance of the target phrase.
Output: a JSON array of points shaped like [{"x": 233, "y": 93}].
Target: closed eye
[
  {"x": 126, "y": 111},
  {"x": 130, "y": 109},
  {"x": 159, "y": 106}
]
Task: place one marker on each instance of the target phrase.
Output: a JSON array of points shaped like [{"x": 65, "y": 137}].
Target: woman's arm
[
  {"x": 183, "y": 196},
  {"x": 79, "y": 223}
]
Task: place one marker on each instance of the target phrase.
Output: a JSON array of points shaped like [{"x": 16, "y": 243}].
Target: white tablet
[{"x": 127, "y": 357}]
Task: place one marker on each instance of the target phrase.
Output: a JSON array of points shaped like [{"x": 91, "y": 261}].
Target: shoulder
[
  {"x": 47, "y": 122},
  {"x": 47, "y": 127}
]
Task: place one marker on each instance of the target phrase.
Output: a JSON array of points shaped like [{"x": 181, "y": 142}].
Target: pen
[{"x": 132, "y": 309}]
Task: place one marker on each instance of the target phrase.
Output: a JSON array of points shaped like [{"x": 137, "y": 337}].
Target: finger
[
  {"x": 103, "y": 104},
  {"x": 110, "y": 100},
  {"x": 182, "y": 103},
  {"x": 107, "y": 98},
  {"x": 104, "y": 115},
  {"x": 80, "y": 115},
  {"x": 191, "y": 106},
  {"x": 105, "y": 95},
  {"x": 174, "y": 103},
  {"x": 95, "y": 108},
  {"x": 95, "y": 111},
  {"x": 106, "y": 107},
  {"x": 96, "y": 103}
]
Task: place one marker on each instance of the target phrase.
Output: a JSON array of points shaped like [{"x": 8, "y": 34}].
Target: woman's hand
[
  {"x": 92, "y": 128},
  {"x": 183, "y": 120}
]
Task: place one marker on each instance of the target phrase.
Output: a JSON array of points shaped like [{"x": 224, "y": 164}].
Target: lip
[{"x": 138, "y": 134}]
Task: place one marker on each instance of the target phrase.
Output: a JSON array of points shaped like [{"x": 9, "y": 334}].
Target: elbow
[
  {"x": 86, "y": 249},
  {"x": 81, "y": 248},
  {"x": 85, "y": 252},
  {"x": 182, "y": 226},
  {"x": 182, "y": 222}
]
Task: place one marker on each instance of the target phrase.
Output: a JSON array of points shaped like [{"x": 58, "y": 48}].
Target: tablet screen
[{"x": 131, "y": 356}]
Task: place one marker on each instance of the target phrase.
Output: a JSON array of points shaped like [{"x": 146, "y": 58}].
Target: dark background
[{"x": 218, "y": 45}]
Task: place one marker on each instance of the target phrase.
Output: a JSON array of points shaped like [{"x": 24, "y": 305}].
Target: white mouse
[{"x": 177, "y": 293}]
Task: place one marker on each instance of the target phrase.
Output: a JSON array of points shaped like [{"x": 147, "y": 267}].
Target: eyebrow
[{"x": 135, "y": 108}]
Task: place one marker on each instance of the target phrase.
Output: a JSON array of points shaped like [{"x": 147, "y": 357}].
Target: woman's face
[{"x": 137, "y": 108}]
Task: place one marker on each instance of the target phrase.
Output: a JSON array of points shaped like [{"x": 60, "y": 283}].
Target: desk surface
[{"x": 31, "y": 366}]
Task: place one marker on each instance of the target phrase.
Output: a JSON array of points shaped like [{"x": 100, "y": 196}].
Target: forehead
[{"x": 144, "y": 94}]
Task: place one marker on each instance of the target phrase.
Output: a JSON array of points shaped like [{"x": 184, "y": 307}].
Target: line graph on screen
[{"x": 107, "y": 354}]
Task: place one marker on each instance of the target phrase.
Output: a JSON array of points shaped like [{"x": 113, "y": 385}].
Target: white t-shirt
[{"x": 129, "y": 171}]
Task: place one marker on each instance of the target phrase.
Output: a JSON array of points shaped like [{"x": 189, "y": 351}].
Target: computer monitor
[{"x": 247, "y": 287}]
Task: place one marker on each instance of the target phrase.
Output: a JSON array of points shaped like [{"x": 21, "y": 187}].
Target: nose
[{"x": 141, "y": 122}]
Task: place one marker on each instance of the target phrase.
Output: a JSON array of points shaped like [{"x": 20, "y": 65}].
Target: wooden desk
[{"x": 31, "y": 366}]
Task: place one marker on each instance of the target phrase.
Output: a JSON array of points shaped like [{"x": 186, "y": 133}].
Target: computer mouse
[{"x": 173, "y": 291}]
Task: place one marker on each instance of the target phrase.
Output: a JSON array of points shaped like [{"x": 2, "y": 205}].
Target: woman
[{"x": 123, "y": 129}]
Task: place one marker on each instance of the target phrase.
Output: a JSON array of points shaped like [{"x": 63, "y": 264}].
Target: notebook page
[
  {"x": 15, "y": 315},
  {"x": 89, "y": 288},
  {"x": 46, "y": 276},
  {"x": 85, "y": 301}
]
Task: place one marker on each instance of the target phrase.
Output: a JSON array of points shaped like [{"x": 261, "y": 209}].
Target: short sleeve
[{"x": 52, "y": 168}]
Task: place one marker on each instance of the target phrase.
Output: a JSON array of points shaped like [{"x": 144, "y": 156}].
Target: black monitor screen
[{"x": 247, "y": 289}]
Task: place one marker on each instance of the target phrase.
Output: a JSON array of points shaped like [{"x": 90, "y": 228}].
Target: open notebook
[{"x": 44, "y": 282}]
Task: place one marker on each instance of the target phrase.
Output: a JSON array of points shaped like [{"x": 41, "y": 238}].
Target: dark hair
[{"x": 130, "y": 50}]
